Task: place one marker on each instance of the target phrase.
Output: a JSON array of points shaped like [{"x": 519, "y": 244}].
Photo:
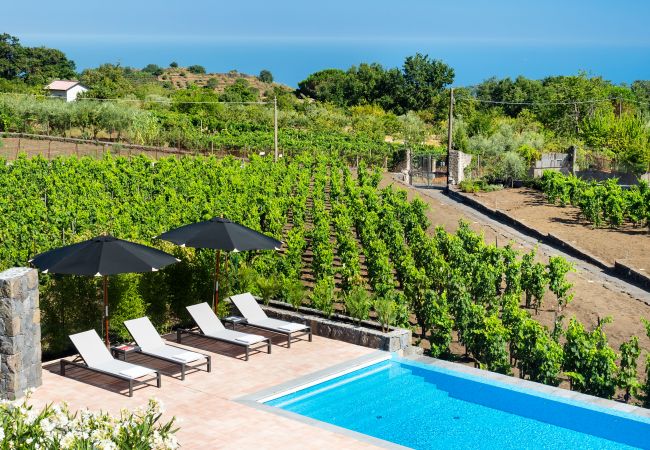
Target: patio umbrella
[
  {"x": 102, "y": 256},
  {"x": 220, "y": 234}
]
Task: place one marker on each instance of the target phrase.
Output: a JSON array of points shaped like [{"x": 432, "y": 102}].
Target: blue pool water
[{"x": 427, "y": 407}]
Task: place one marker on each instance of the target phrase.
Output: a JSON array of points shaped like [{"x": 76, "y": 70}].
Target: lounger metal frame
[
  {"x": 290, "y": 334},
  {"x": 131, "y": 381},
  {"x": 266, "y": 342}
]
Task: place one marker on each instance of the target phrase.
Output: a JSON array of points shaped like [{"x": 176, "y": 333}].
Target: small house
[{"x": 65, "y": 89}]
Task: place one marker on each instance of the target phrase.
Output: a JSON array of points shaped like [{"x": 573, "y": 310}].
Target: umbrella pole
[
  {"x": 216, "y": 279},
  {"x": 106, "y": 311}
]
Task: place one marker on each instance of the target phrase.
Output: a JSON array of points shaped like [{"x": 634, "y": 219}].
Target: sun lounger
[
  {"x": 256, "y": 317},
  {"x": 151, "y": 344},
  {"x": 98, "y": 359},
  {"x": 211, "y": 328}
]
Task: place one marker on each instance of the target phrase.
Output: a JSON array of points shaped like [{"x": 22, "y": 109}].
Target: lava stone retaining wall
[
  {"x": 20, "y": 332},
  {"x": 339, "y": 327}
]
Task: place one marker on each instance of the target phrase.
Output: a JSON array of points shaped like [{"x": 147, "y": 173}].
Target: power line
[{"x": 574, "y": 102}]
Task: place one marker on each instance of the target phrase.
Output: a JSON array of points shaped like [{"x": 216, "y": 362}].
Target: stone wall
[
  {"x": 20, "y": 332},
  {"x": 458, "y": 162},
  {"x": 367, "y": 334},
  {"x": 561, "y": 162}
]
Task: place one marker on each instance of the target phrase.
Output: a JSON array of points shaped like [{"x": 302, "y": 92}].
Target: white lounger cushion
[
  {"x": 91, "y": 348},
  {"x": 149, "y": 341},
  {"x": 249, "y": 338},
  {"x": 205, "y": 318},
  {"x": 144, "y": 333},
  {"x": 171, "y": 352},
  {"x": 276, "y": 324},
  {"x": 211, "y": 326},
  {"x": 248, "y": 307},
  {"x": 96, "y": 355},
  {"x": 136, "y": 372}
]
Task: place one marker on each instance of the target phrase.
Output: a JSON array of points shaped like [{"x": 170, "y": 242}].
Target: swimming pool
[{"x": 423, "y": 407}]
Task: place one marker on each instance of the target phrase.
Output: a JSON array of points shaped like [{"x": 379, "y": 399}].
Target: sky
[{"x": 460, "y": 31}]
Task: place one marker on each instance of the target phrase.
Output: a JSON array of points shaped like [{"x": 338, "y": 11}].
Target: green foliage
[
  {"x": 414, "y": 87},
  {"x": 125, "y": 303},
  {"x": 540, "y": 356},
  {"x": 487, "y": 339},
  {"x": 269, "y": 287},
  {"x": 265, "y": 76},
  {"x": 106, "y": 81},
  {"x": 322, "y": 297},
  {"x": 153, "y": 69},
  {"x": 558, "y": 268},
  {"x": 626, "y": 378},
  {"x": 602, "y": 201},
  {"x": 196, "y": 69},
  {"x": 533, "y": 280},
  {"x": 240, "y": 91},
  {"x": 33, "y": 65},
  {"x": 173, "y": 64},
  {"x": 589, "y": 361},
  {"x": 357, "y": 303},
  {"x": 294, "y": 293},
  {"x": 386, "y": 309},
  {"x": 440, "y": 323}
]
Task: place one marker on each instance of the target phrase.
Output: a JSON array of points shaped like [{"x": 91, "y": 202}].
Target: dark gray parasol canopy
[
  {"x": 103, "y": 256},
  {"x": 220, "y": 233}
]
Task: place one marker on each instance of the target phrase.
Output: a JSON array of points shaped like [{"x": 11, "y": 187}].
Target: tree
[
  {"x": 265, "y": 76},
  {"x": 329, "y": 85},
  {"x": 424, "y": 78},
  {"x": 511, "y": 167},
  {"x": 153, "y": 69},
  {"x": 239, "y": 91},
  {"x": 34, "y": 65},
  {"x": 196, "y": 69},
  {"x": 173, "y": 64},
  {"x": 106, "y": 81}
]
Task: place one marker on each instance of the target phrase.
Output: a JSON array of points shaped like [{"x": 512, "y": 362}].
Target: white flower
[
  {"x": 2, "y": 434},
  {"x": 47, "y": 425},
  {"x": 67, "y": 440}
]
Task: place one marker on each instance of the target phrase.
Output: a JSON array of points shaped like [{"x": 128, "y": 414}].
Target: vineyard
[
  {"x": 373, "y": 255},
  {"x": 600, "y": 203}
]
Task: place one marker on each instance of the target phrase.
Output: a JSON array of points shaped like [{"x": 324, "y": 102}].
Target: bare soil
[
  {"x": 596, "y": 295},
  {"x": 627, "y": 244}
]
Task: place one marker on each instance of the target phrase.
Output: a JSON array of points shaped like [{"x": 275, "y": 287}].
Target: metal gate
[{"x": 427, "y": 171}]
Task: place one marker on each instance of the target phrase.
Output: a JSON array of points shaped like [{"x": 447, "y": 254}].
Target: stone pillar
[
  {"x": 458, "y": 161},
  {"x": 20, "y": 332}
]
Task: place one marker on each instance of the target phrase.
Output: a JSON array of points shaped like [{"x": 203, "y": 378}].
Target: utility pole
[
  {"x": 450, "y": 130},
  {"x": 275, "y": 128}
]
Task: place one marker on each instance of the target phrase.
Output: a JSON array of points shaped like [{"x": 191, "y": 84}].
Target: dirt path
[{"x": 596, "y": 293}]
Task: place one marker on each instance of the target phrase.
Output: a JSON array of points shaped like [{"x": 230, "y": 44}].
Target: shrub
[
  {"x": 56, "y": 427},
  {"x": 265, "y": 76},
  {"x": 386, "y": 309},
  {"x": 322, "y": 297},
  {"x": 357, "y": 303},
  {"x": 196, "y": 69},
  {"x": 268, "y": 287},
  {"x": 294, "y": 293}
]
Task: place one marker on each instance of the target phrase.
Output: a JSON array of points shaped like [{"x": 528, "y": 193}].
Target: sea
[{"x": 292, "y": 61}]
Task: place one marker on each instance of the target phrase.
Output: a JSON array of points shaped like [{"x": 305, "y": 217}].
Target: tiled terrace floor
[{"x": 203, "y": 403}]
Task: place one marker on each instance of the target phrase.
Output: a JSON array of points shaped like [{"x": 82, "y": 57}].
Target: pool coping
[{"x": 255, "y": 399}]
